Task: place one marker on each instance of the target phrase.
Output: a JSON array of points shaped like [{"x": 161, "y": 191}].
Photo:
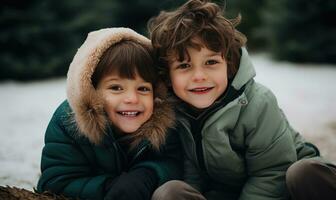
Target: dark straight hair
[{"x": 126, "y": 58}]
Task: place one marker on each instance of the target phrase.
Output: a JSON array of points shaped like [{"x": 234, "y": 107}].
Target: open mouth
[
  {"x": 201, "y": 90},
  {"x": 129, "y": 113}
]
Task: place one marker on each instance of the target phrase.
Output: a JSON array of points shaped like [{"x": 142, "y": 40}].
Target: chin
[
  {"x": 201, "y": 105},
  {"x": 129, "y": 130},
  {"x": 126, "y": 132}
]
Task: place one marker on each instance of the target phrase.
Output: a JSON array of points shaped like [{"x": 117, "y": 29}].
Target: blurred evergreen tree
[
  {"x": 251, "y": 23},
  {"x": 39, "y": 38},
  {"x": 302, "y": 31},
  {"x": 135, "y": 13}
]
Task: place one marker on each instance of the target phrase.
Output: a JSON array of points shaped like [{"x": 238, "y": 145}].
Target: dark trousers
[
  {"x": 310, "y": 179},
  {"x": 306, "y": 180}
]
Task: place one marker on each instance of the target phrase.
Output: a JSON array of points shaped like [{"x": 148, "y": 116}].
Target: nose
[
  {"x": 131, "y": 97},
  {"x": 199, "y": 74}
]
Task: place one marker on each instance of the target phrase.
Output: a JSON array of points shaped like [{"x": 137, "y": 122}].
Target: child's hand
[{"x": 137, "y": 184}]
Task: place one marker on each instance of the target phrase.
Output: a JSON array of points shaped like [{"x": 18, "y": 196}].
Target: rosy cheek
[{"x": 175, "y": 83}]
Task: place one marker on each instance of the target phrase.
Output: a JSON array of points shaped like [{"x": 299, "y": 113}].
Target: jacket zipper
[
  {"x": 121, "y": 156},
  {"x": 137, "y": 155},
  {"x": 192, "y": 140}
]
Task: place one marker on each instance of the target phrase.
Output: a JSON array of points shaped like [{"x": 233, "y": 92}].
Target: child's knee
[
  {"x": 311, "y": 179},
  {"x": 303, "y": 171},
  {"x": 169, "y": 190},
  {"x": 175, "y": 189}
]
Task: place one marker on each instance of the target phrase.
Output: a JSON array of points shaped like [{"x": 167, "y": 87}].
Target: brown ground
[{"x": 14, "y": 193}]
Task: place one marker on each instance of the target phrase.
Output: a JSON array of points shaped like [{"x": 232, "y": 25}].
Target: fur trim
[{"x": 87, "y": 103}]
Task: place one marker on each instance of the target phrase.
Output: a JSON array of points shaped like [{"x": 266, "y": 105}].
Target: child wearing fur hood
[{"x": 109, "y": 139}]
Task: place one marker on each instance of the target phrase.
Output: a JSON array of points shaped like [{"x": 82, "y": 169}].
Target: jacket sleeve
[
  {"x": 65, "y": 169},
  {"x": 270, "y": 151},
  {"x": 168, "y": 161}
]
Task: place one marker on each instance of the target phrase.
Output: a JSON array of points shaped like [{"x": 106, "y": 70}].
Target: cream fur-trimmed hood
[{"x": 87, "y": 103}]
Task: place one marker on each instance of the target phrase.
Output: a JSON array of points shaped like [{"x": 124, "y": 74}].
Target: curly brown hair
[{"x": 172, "y": 32}]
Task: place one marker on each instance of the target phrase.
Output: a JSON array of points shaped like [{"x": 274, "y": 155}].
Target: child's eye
[
  {"x": 211, "y": 62},
  {"x": 145, "y": 89},
  {"x": 183, "y": 66},
  {"x": 116, "y": 87}
]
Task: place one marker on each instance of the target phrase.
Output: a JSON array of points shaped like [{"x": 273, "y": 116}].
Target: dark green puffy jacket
[{"x": 73, "y": 166}]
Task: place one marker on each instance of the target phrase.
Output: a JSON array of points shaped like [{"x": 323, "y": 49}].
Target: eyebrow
[
  {"x": 114, "y": 78},
  {"x": 214, "y": 54},
  {"x": 122, "y": 79},
  {"x": 207, "y": 55}
]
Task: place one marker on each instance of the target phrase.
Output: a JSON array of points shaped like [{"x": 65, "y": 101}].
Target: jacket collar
[{"x": 245, "y": 72}]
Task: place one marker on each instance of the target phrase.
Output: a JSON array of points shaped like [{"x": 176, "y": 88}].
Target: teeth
[
  {"x": 200, "y": 89},
  {"x": 129, "y": 113}
]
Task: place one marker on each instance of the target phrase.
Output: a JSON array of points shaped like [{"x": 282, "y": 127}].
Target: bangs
[
  {"x": 205, "y": 39},
  {"x": 126, "y": 59}
]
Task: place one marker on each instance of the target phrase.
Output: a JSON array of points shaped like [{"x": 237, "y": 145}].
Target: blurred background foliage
[{"x": 38, "y": 38}]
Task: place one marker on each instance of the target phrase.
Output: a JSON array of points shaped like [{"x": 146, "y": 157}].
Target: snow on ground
[
  {"x": 307, "y": 94},
  {"x": 25, "y": 110}
]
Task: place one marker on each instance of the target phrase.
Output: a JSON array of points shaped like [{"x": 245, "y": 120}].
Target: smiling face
[
  {"x": 127, "y": 102},
  {"x": 201, "y": 79}
]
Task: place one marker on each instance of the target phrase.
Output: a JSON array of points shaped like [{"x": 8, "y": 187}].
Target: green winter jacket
[
  {"x": 81, "y": 153},
  {"x": 244, "y": 147},
  {"x": 74, "y": 166}
]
